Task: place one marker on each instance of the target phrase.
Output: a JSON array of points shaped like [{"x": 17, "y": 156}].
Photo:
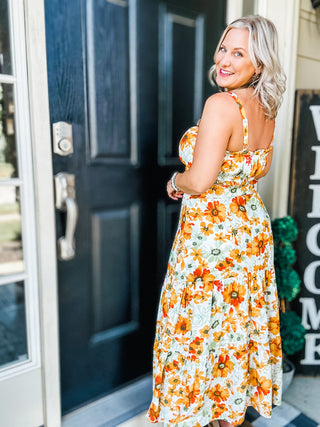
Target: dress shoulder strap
[{"x": 244, "y": 119}]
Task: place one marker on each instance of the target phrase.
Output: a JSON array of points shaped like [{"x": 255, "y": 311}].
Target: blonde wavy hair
[{"x": 270, "y": 84}]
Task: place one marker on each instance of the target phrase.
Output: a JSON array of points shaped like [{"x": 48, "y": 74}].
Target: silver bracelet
[{"x": 173, "y": 182}]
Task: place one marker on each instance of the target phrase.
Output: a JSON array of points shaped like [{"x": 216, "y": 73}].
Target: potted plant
[{"x": 292, "y": 332}]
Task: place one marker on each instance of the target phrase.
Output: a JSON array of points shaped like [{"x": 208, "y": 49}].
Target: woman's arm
[{"x": 214, "y": 132}]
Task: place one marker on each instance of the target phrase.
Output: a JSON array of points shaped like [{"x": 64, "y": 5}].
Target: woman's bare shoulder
[
  {"x": 221, "y": 98},
  {"x": 221, "y": 104},
  {"x": 222, "y": 101}
]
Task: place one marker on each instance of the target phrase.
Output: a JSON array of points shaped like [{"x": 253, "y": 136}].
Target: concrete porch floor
[{"x": 303, "y": 394}]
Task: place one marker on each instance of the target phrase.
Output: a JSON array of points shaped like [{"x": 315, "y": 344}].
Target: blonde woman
[{"x": 217, "y": 348}]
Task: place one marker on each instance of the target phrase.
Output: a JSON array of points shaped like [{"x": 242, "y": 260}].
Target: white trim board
[
  {"x": 274, "y": 188},
  {"x": 234, "y": 10},
  {"x": 45, "y": 211}
]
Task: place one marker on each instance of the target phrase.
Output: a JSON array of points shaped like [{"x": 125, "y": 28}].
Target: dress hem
[{"x": 261, "y": 414}]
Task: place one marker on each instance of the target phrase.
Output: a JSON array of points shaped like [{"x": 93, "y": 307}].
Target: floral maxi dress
[{"x": 217, "y": 347}]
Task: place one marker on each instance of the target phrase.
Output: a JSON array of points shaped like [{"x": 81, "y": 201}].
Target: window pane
[
  {"x": 5, "y": 57},
  {"x": 11, "y": 257},
  {"x": 13, "y": 330},
  {"x": 8, "y": 152}
]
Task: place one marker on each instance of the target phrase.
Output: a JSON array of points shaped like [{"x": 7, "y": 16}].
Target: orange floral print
[
  {"x": 191, "y": 395},
  {"x": 217, "y": 190},
  {"x": 234, "y": 294},
  {"x": 238, "y": 207},
  {"x": 186, "y": 297},
  {"x": 253, "y": 283},
  {"x": 173, "y": 366},
  {"x": 217, "y": 347},
  {"x": 201, "y": 277},
  {"x": 204, "y": 332},
  {"x": 253, "y": 346},
  {"x": 258, "y": 245},
  {"x": 228, "y": 166},
  {"x": 186, "y": 229},
  {"x": 199, "y": 376},
  {"x": 196, "y": 347},
  {"x": 268, "y": 277},
  {"x": 218, "y": 284},
  {"x": 275, "y": 389},
  {"x": 218, "y": 336},
  {"x": 183, "y": 325},
  {"x": 153, "y": 412},
  {"x": 206, "y": 229},
  {"x": 215, "y": 212},
  {"x": 274, "y": 326},
  {"x": 195, "y": 214},
  {"x": 223, "y": 367},
  {"x": 219, "y": 394},
  {"x": 237, "y": 255},
  {"x": 275, "y": 346},
  {"x": 263, "y": 384},
  {"x": 230, "y": 322},
  {"x": 227, "y": 262},
  {"x": 196, "y": 254},
  {"x": 245, "y": 229},
  {"x": 218, "y": 410}
]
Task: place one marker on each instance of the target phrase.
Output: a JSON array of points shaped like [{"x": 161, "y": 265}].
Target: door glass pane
[
  {"x": 8, "y": 152},
  {"x": 13, "y": 331},
  {"x": 5, "y": 57},
  {"x": 11, "y": 257}
]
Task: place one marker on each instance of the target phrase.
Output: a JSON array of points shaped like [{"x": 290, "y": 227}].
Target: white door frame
[
  {"x": 32, "y": 385},
  {"x": 45, "y": 210}
]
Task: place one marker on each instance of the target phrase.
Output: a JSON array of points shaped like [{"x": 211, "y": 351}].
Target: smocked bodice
[{"x": 237, "y": 166}]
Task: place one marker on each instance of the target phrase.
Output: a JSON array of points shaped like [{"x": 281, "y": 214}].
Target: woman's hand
[{"x": 172, "y": 193}]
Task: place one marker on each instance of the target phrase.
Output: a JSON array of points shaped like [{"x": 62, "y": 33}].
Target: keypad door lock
[{"x": 62, "y": 138}]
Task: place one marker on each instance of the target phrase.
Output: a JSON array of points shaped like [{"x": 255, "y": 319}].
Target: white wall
[{"x": 308, "y": 55}]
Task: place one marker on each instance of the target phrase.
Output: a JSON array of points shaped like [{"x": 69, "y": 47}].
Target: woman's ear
[{"x": 259, "y": 70}]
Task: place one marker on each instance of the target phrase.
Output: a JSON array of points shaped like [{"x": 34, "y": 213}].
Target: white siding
[{"x": 308, "y": 57}]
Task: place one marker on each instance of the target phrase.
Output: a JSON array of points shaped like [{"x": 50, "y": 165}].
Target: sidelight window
[{"x": 19, "y": 347}]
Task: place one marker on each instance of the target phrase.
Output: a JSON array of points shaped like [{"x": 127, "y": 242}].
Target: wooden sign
[{"x": 304, "y": 207}]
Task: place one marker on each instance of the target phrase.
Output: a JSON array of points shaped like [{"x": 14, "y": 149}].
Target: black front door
[{"x": 130, "y": 76}]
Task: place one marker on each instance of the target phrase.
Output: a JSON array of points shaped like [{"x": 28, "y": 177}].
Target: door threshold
[{"x": 114, "y": 409}]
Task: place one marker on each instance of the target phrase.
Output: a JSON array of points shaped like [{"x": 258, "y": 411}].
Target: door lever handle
[{"x": 66, "y": 201}]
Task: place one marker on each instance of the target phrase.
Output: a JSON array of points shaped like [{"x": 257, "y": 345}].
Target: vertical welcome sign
[{"x": 304, "y": 207}]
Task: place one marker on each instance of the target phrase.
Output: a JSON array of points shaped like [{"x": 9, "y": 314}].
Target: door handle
[{"x": 66, "y": 201}]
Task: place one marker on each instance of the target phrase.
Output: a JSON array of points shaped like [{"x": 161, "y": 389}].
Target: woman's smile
[{"x": 224, "y": 73}]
